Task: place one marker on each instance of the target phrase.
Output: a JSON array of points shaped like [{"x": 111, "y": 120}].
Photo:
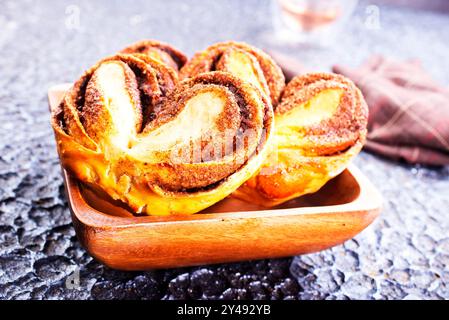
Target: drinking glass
[{"x": 311, "y": 21}]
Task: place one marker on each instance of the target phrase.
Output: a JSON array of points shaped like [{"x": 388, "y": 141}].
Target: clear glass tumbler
[{"x": 311, "y": 21}]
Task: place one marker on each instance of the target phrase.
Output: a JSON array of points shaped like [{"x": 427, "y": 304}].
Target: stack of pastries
[{"x": 167, "y": 135}]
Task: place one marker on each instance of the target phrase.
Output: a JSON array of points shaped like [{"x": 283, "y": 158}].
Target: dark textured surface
[{"x": 404, "y": 254}]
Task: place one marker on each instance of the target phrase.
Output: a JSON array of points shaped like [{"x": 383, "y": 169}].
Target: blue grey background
[{"x": 404, "y": 254}]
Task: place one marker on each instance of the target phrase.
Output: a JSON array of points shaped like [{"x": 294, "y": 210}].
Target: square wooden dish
[{"x": 230, "y": 230}]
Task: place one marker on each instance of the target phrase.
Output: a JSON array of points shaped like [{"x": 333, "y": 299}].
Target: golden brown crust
[
  {"x": 148, "y": 159},
  {"x": 241, "y": 114},
  {"x": 129, "y": 128},
  {"x": 151, "y": 81},
  {"x": 215, "y": 57},
  {"x": 306, "y": 154},
  {"x": 339, "y": 132},
  {"x": 158, "y": 50}
]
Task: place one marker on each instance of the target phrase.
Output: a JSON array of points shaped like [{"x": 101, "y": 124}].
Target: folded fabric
[{"x": 409, "y": 111}]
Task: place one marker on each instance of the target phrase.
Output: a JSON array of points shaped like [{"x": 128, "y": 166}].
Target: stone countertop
[{"x": 403, "y": 254}]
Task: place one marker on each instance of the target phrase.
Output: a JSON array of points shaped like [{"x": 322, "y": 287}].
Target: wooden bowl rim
[{"x": 368, "y": 199}]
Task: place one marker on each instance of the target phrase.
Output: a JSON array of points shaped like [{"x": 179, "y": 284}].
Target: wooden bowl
[{"x": 230, "y": 230}]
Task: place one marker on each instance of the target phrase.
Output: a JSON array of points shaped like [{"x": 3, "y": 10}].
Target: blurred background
[
  {"x": 57, "y": 31},
  {"x": 403, "y": 255}
]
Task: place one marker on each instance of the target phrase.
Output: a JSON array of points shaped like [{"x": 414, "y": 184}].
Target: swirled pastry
[
  {"x": 320, "y": 125},
  {"x": 242, "y": 60},
  {"x": 160, "y": 51},
  {"x": 127, "y": 127}
]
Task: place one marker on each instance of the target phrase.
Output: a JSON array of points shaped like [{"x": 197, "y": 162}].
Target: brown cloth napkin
[{"x": 408, "y": 111}]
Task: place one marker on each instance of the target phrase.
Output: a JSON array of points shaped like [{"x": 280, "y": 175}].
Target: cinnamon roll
[
  {"x": 128, "y": 128},
  {"x": 160, "y": 51},
  {"x": 320, "y": 125},
  {"x": 242, "y": 60}
]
